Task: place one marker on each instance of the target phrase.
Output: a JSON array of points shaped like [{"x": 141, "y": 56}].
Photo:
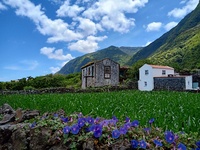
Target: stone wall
[{"x": 173, "y": 83}]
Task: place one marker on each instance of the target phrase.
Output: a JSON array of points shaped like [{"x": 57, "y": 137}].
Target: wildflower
[
  {"x": 127, "y": 125},
  {"x": 90, "y": 120},
  {"x": 135, "y": 123},
  {"x": 115, "y": 134},
  {"x": 33, "y": 125},
  {"x": 147, "y": 130},
  {"x": 81, "y": 122},
  {"x": 75, "y": 129},
  {"x": 134, "y": 143},
  {"x": 123, "y": 130},
  {"x": 55, "y": 115},
  {"x": 158, "y": 143},
  {"x": 114, "y": 118},
  {"x": 64, "y": 119},
  {"x": 169, "y": 137},
  {"x": 66, "y": 129},
  {"x": 151, "y": 121},
  {"x": 198, "y": 144},
  {"x": 143, "y": 144},
  {"x": 181, "y": 146},
  {"x": 127, "y": 119},
  {"x": 97, "y": 131}
]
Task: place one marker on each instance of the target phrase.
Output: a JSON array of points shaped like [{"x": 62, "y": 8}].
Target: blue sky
[{"x": 39, "y": 36}]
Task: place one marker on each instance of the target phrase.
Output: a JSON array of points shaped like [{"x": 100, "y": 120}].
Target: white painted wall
[
  {"x": 145, "y": 82},
  {"x": 188, "y": 82}
]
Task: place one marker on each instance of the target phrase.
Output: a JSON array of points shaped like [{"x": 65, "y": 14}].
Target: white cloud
[
  {"x": 154, "y": 26},
  {"x": 2, "y": 7},
  {"x": 51, "y": 53},
  {"x": 56, "y": 29},
  {"x": 149, "y": 42},
  {"x": 181, "y": 12},
  {"x": 86, "y": 46},
  {"x": 111, "y": 13},
  {"x": 69, "y": 11},
  {"x": 23, "y": 65},
  {"x": 54, "y": 69},
  {"x": 170, "y": 25}
]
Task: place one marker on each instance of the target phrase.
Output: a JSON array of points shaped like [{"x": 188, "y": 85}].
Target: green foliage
[
  {"x": 47, "y": 81},
  {"x": 175, "y": 111}
]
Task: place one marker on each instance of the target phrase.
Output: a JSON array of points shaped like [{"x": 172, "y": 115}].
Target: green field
[{"x": 176, "y": 111}]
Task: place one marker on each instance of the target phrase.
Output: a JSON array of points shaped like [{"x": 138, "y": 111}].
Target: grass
[{"x": 176, "y": 111}]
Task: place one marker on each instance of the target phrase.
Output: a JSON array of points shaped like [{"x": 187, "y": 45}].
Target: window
[
  {"x": 89, "y": 71},
  {"x": 92, "y": 70},
  {"x": 145, "y": 83},
  {"x": 146, "y": 72},
  {"x": 163, "y": 72},
  {"x": 107, "y": 72}
]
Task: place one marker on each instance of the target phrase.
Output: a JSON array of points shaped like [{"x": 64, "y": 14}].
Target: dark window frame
[{"x": 107, "y": 72}]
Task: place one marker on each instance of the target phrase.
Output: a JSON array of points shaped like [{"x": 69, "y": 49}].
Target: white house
[{"x": 161, "y": 77}]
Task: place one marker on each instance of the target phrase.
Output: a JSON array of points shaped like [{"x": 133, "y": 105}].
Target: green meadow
[{"x": 176, "y": 111}]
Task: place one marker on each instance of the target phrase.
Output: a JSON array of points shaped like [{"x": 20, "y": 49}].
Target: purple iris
[
  {"x": 169, "y": 137},
  {"x": 90, "y": 120},
  {"x": 135, "y": 123},
  {"x": 115, "y": 118},
  {"x": 158, "y": 143},
  {"x": 134, "y": 143},
  {"x": 81, "y": 122},
  {"x": 143, "y": 144},
  {"x": 66, "y": 129},
  {"x": 123, "y": 130},
  {"x": 75, "y": 129},
  {"x": 181, "y": 146},
  {"x": 115, "y": 134},
  {"x": 151, "y": 121},
  {"x": 198, "y": 144}
]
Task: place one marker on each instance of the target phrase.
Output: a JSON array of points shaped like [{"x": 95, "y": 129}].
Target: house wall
[
  {"x": 157, "y": 72},
  {"x": 170, "y": 83},
  {"x": 99, "y": 73},
  {"x": 88, "y": 78},
  {"x": 145, "y": 82},
  {"x": 188, "y": 82}
]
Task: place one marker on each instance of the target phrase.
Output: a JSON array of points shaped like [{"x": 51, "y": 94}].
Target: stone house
[
  {"x": 100, "y": 73},
  {"x": 162, "y": 77}
]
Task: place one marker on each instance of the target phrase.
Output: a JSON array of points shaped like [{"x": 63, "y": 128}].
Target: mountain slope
[
  {"x": 120, "y": 55},
  {"x": 190, "y": 21}
]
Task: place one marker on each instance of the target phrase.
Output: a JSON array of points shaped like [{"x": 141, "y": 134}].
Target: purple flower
[
  {"x": 151, "y": 121},
  {"x": 158, "y": 143},
  {"x": 127, "y": 119},
  {"x": 147, "y": 130},
  {"x": 134, "y": 143},
  {"x": 66, "y": 129},
  {"x": 135, "y": 123},
  {"x": 115, "y": 118},
  {"x": 198, "y": 144},
  {"x": 75, "y": 129},
  {"x": 55, "y": 115},
  {"x": 127, "y": 125},
  {"x": 97, "y": 133},
  {"x": 33, "y": 125},
  {"x": 92, "y": 128},
  {"x": 90, "y": 120},
  {"x": 169, "y": 137},
  {"x": 143, "y": 144},
  {"x": 81, "y": 122},
  {"x": 115, "y": 134},
  {"x": 181, "y": 146},
  {"x": 123, "y": 130},
  {"x": 64, "y": 119}
]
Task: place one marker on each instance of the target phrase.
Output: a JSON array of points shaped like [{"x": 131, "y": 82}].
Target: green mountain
[
  {"x": 118, "y": 54},
  {"x": 179, "y": 47}
]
